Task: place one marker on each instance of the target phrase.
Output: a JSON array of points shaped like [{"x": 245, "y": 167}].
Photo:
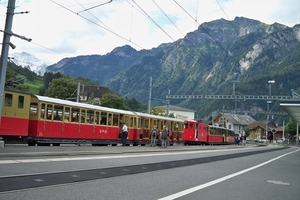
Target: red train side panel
[
  {"x": 13, "y": 126},
  {"x": 15, "y": 114}
]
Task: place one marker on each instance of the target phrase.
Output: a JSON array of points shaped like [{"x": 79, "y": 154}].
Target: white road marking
[{"x": 205, "y": 185}]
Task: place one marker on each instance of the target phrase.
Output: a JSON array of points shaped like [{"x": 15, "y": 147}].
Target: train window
[
  {"x": 8, "y": 100},
  {"x": 116, "y": 119},
  {"x": 82, "y": 116},
  {"x": 139, "y": 122},
  {"x": 75, "y": 115},
  {"x": 103, "y": 118},
  {"x": 126, "y": 120},
  {"x": 191, "y": 126},
  {"x": 58, "y": 112},
  {"x": 131, "y": 122},
  {"x": 109, "y": 119},
  {"x": 67, "y": 114},
  {"x": 42, "y": 111},
  {"x": 90, "y": 117},
  {"x": 33, "y": 108},
  {"x": 155, "y": 123},
  {"x": 185, "y": 125},
  {"x": 97, "y": 117},
  {"x": 145, "y": 123},
  {"x": 49, "y": 112},
  {"x": 21, "y": 102}
]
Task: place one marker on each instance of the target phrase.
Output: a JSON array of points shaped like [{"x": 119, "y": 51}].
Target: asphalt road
[{"x": 193, "y": 172}]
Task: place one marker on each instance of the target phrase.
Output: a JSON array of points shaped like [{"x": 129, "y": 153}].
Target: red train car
[
  {"x": 14, "y": 117},
  {"x": 43, "y": 121},
  {"x": 197, "y": 133},
  {"x": 59, "y": 121}
]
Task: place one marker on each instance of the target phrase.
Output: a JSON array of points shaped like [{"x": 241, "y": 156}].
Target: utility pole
[
  {"x": 78, "y": 92},
  {"x": 149, "y": 100},
  {"x": 168, "y": 103},
  {"x": 5, "y": 46},
  {"x": 233, "y": 94}
]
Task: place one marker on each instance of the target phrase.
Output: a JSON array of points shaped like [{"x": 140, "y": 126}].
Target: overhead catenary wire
[{"x": 225, "y": 50}]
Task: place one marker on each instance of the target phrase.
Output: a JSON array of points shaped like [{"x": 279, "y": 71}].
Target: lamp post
[
  {"x": 268, "y": 102},
  {"x": 270, "y": 83},
  {"x": 270, "y": 92}
]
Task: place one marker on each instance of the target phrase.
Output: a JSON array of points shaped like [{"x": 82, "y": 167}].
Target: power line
[{"x": 206, "y": 32}]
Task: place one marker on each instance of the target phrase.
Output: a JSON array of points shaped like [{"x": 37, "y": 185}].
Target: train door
[
  {"x": 196, "y": 131},
  {"x": 136, "y": 128},
  {"x": 145, "y": 124},
  {"x": 202, "y": 132},
  {"x": 66, "y": 125},
  {"x": 57, "y": 125}
]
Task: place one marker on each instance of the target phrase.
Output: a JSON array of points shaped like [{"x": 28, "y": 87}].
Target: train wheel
[
  {"x": 143, "y": 144},
  {"x": 31, "y": 143},
  {"x": 135, "y": 144},
  {"x": 56, "y": 144},
  {"x": 114, "y": 145}
]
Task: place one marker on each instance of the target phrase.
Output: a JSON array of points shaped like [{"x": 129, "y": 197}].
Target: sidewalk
[{"x": 20, "y": 150}]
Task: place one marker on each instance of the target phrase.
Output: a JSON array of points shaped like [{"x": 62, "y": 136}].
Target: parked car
[{"x": 280, "y": 140}]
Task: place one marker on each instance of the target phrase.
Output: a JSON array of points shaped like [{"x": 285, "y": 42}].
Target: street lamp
[
  {"x": 270, "y": 83},
  {"x": 270, "y": 89}
]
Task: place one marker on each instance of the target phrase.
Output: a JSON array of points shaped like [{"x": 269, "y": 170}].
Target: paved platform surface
[{"x": 23, "y": 150}]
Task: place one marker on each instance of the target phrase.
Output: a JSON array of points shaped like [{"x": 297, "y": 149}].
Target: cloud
[{"x": 57, "y": 31}]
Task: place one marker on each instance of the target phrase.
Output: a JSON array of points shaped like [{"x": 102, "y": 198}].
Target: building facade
[
  {"x": 179, "y": 112},
  {"x": 234, "y": 122}
]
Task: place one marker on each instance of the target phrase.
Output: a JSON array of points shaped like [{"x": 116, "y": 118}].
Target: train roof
[
  {"x": 158, "y": 117},
  {"x": 81, "y": 105},
  {"x": 101, "y": 108}
]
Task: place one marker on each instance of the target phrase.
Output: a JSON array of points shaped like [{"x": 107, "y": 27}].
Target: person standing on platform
[
  {"x": 124, "y": 134},
  {"x": 153, "y": 137},
  {"x": 164, "y": 137}
]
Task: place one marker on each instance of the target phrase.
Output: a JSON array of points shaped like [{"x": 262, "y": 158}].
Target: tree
[
  {"x": 48, "y": 77},
  {"x": 111, "y": 100},
  {"x": 134, "y": 105},
  {"x": 22, "y": 87},
  {"x": 161, "y": 112},
  {"x": 62, "y": 88},
  {"x": 291, "y": 127}
]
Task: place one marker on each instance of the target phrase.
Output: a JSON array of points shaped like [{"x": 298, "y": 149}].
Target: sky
[{"x": 70, "y": 28}]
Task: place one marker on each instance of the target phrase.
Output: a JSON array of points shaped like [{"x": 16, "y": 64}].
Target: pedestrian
[
  {"x": 244, "y": 140},
  {"x": 124, "y": 134},
  {"x": 153, "y": 136},
  {"x": 164, "y": 137},
  {"x": 169, "y": 137}
]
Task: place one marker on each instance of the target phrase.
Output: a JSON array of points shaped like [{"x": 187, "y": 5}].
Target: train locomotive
[{"x": 199, "y": 133}]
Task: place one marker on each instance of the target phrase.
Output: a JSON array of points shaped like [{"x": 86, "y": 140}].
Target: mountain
[
  {"x": 98, "y": 68},
  {"x": 28, "y": 60},
  {"x": 206, "y": 61}
]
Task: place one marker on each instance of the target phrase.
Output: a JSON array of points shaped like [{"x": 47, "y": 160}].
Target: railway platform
[{"x": 23, "y": 150}]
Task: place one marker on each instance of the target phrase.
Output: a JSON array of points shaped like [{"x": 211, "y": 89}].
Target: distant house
[
  {"x": 235, "y": 122},
  {"x": 257, "y": 130},
  {"x": 95, "y": 92},
  {"x": 179, "y": 112}
]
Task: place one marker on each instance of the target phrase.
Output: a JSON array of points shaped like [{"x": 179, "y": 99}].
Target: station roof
[{"x": 292, "y": 107}]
